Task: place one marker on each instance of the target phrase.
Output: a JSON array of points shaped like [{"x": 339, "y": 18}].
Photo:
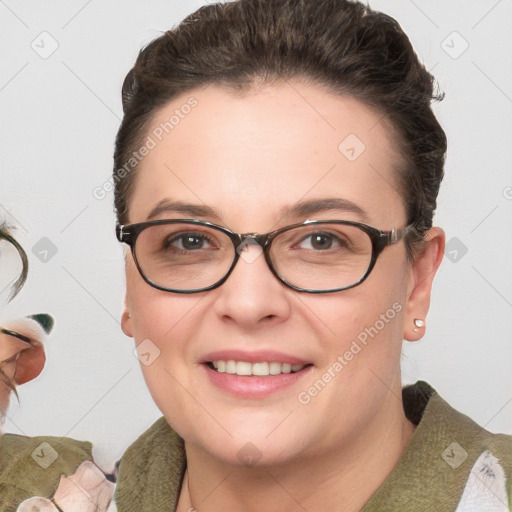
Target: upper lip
[{"x": 252, "y": 357}]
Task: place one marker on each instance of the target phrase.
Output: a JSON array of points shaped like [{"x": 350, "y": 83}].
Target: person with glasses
[{"x": 276, "y": 174}]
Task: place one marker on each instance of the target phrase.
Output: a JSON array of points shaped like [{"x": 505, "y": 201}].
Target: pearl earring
[{"x": 419, "y": 323}]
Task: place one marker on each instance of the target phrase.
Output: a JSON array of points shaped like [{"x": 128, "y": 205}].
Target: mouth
[
  {"x": 254, "y": 375},
  {"x": 255, "y": 369}
]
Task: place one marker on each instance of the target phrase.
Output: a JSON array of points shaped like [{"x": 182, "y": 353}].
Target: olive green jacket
[
  {"x": 450, "y": 465},
  {"x": 32, "y": 466}
]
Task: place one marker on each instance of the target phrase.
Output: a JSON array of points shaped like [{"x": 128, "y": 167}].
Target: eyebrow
[
  {"x": 192, "y": 210},
  {"x": 307, "y": 208},
  {"x": 301, "y": 209}
]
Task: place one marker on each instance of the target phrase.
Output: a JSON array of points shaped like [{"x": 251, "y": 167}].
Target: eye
[
  {"x": 321, "y": 241},
  {"x": 188, "y": 241}
]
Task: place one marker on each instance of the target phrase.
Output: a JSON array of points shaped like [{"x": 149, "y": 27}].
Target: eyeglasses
[{"x": 190, "y": 255}]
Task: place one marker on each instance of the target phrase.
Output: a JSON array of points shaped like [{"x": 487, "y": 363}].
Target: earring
[{"x": 419, "y": 323}]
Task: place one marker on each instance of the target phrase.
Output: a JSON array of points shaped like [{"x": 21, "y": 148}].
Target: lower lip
[{"x": 252, "y": 386}]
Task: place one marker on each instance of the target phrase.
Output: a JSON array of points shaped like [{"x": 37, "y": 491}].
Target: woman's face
[{"x": 248, "y": 162}]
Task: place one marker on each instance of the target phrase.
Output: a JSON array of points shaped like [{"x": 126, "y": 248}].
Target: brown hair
[
  {"x": 341, "y": 45},
  {"x": 17, "y": 285}
]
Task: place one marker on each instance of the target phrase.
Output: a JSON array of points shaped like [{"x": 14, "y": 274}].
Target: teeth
[
  {"x": 260, "y": 369},
  {"x": 243, "y": 368},
  {"x": 275, "y": 368}
]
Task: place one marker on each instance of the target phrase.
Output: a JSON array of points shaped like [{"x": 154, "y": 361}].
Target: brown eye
[
  {"x": 321, "y": 242},
  {"x": 189, "y": 242}
]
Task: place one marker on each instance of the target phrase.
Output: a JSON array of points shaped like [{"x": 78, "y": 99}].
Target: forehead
[{"x": 250, "y": 156}]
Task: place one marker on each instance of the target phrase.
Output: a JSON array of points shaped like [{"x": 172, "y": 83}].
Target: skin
[
  {"x": 20, "y": 361},
  {"x": 248, "y": 157}
]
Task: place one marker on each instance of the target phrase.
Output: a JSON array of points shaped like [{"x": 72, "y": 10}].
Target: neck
[{"x": 344, "y": 478}]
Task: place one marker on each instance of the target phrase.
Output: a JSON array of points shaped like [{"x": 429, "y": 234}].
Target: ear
[
  {"x": 22, "y": 360},
  {"x": 126, "y": 320},
  {"x": 10, "y": 350},
  {"x": 30, "y": 364},
  {"x": 423, "y": 269}
]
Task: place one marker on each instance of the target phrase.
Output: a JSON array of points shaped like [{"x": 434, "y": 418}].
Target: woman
[{"x": 274, "y": 356}]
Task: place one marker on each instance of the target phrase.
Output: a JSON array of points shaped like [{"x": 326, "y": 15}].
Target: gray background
[{"x": 60, "y": 116}]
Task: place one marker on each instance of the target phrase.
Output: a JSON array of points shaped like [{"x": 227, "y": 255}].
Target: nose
[{"x": 252, "y": 296}]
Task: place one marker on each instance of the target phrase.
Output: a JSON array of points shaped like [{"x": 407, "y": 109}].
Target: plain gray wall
[{"x": 60, "y": 114}]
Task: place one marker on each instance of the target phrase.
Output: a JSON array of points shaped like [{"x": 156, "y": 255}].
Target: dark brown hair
[
  {"x": 340, "y": 45},
  {"x": 17, "y": 285}
]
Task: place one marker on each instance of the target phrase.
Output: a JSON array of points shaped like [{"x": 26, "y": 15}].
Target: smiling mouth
[{"x": 258, "y": 369}]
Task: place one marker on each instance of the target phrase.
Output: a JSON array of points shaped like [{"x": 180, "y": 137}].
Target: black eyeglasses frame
[{"x": 380, "y": 239}]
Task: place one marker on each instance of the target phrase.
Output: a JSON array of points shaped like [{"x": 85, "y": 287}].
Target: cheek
[
  {"x": 360, "y": 346},
  {"x": 164, "y": 327},
  {"x": 361, "y": 328},
  {"x": 364, "y": 326},
  {"x": 155, "y": 314}
]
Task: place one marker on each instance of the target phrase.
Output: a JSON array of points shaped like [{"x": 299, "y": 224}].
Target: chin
[
  {"x": 251, "y": 444},
  {"x": 255, "y": 453}
]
